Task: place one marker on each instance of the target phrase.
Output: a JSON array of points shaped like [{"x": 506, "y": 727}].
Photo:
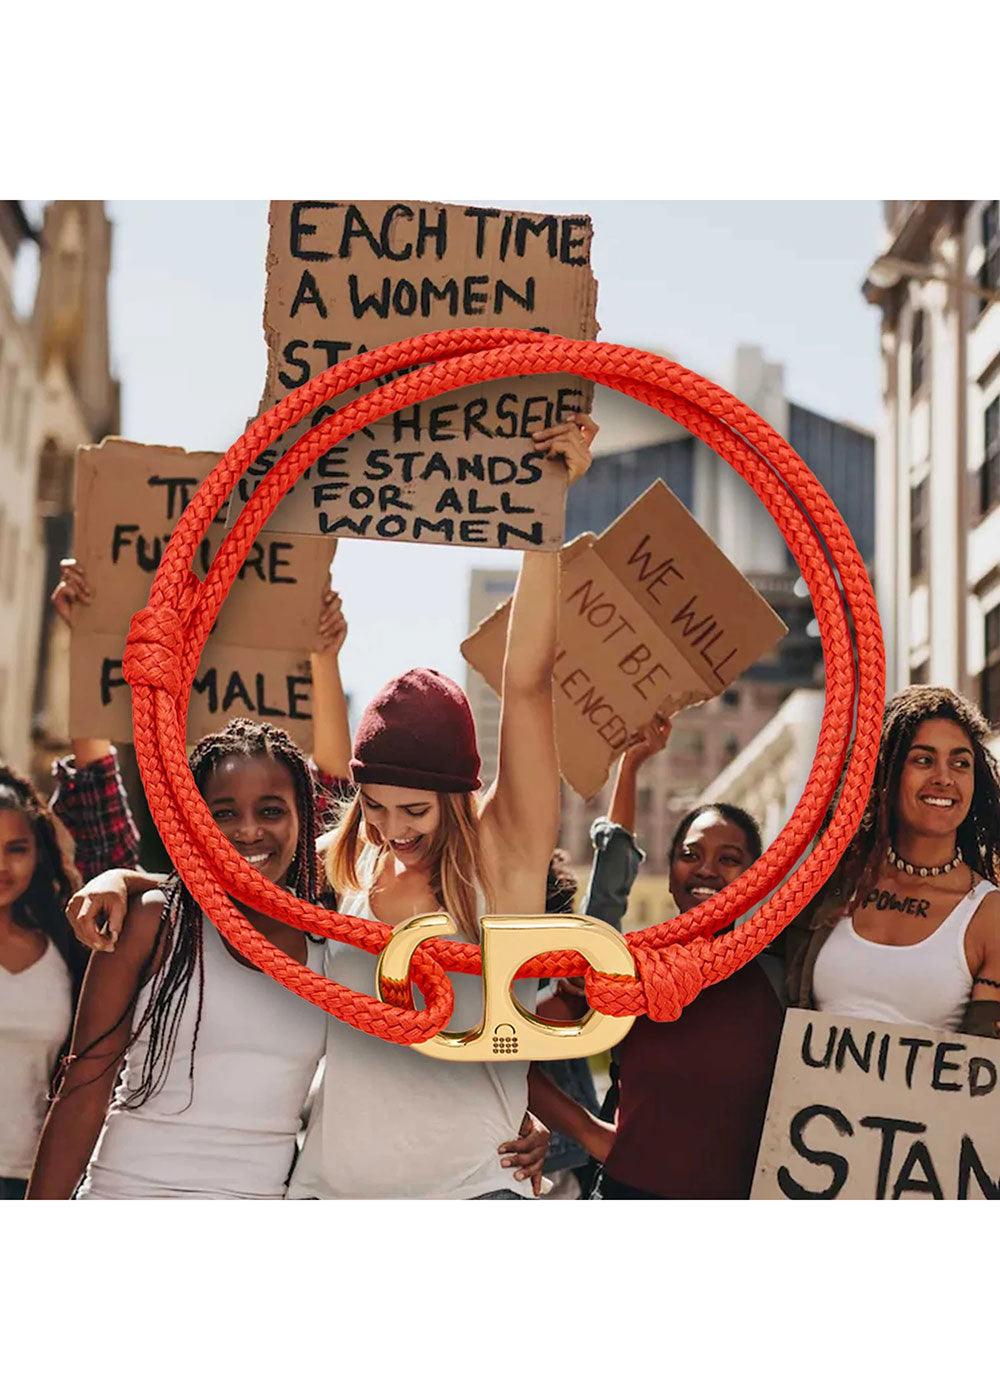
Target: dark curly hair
[
  {"x": 177, "y": 953},
  {"x": 42, "y": 906},
  {"x": 978, "y": 837}
]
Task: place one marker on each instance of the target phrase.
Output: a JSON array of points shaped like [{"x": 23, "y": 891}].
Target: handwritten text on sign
[
  {"x": 459, "y": 469},
  {"x": 860, "y": 1110},
  {"x": 676, "y": 572},
  {"x": 129, "y": 498},
  {"x": 231, "y": 682},
  {"x": 614, "y": 668}
]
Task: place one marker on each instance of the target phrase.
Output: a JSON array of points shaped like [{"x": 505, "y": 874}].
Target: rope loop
[{"x": 675, "y": 960}]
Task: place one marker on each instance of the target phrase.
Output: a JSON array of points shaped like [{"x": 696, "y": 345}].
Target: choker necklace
[{"x": 902, "y": 864}]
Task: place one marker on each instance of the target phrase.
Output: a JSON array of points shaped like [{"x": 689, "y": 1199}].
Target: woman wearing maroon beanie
[{"x": 416, "y": 838}]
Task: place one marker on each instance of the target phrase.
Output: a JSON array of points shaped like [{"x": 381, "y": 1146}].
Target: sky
[{"x": 691, "y": 278}]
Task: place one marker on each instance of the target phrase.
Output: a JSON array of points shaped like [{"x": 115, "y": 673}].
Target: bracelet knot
[{"x": 152, "y": 653}]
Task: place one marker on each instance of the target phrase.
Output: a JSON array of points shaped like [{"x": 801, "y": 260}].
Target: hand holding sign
[
  {"x": 572, "y": 441},
  {"x": 71, "y": 589},
  {"x": 652, "y": 738},
  {"x": 332, "y": 625}
]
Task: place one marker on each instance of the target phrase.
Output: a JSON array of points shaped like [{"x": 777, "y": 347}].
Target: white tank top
[
  {"x": 36, "y": 1007},
  {"x": 924, "y": 984},
  {"x": 257, "y": 1050},
  {"x": 389, "y": 1123}
]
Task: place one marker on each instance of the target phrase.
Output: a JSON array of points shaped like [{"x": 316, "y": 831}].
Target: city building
[
  {"x": 56, "y": 392},
  {"x": 769, "y": 776},
  {"x": 936, "y": 281},
  {"x": 839, "y": 454}
]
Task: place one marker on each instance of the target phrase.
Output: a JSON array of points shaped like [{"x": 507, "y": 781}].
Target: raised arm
[
  {"x": 100, "y": 1036},
  {"x": 89, "y": 797},
  {"x": 652, "y": 740},
  {"x": 616, "y": 856},
  {"x": 331, "y": 731},
  {"x": 524, "y": 802},
  {"x": 72, "y": 592}
]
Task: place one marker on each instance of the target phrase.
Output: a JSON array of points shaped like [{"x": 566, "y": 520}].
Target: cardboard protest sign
[
  {"x": 231, "y": 682},
  {"x": 715, "y": 619},
  {"x": 862, "y": 1111},
  {"x": 653, "y": 618},
  {"x": 460, "y": 469},
  {"x": 129, "y": 497}
]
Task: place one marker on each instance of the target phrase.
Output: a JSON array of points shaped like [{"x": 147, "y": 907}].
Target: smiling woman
[
  {"x": 690, "y": 1094},
  {"x": 40, "y": 971},
  {"x": 908, "y": 929},
  {"x": 417, "y": 730},
  {"x": 255, "y": 809},
  {"x": 215, "y": 1060}
]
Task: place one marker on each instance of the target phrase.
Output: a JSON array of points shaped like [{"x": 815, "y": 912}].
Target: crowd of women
[{"x": 167, "y": 1066}]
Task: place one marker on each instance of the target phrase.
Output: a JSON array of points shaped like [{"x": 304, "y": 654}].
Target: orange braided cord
[{"x": 674, "y": 960}]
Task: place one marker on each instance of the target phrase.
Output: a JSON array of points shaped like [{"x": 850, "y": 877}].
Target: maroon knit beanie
[{"x": 418, "y": 732}]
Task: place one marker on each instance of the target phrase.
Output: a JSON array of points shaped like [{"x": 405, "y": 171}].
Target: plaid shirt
[{"x": 92, "y": 805}]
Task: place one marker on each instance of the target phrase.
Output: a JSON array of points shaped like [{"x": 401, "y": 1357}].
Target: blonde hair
[{"x": 457, "y": 866}]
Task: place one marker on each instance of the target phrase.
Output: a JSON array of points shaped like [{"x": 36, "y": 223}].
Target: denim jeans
[
  {"x": 504, "y": 1195},
  {"x": 12, "y": 1188}
]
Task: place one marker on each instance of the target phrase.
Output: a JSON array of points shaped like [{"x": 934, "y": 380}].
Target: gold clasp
[{"x": 507, "y": 1031}]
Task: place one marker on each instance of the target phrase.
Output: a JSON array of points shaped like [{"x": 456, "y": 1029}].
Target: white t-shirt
[
  {"x": 36, "y": 1007},
  {"x": 229, "y": 1132},
  {"x": 389, "y": 1123}
]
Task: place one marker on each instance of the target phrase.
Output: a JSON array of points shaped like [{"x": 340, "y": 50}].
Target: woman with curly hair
[
  {"x": 415, "y": 837},
  {"x": 41, "y": 966},
  {"x": 908, "y": 928},
  {"x": 209, "y": 1061}
]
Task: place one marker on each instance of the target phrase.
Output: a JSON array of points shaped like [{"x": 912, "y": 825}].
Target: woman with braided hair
[
  {"x": 41, "y": 967},
  {"x": 908, "y": 928},
  {"x": 216, "y": 1059}
]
